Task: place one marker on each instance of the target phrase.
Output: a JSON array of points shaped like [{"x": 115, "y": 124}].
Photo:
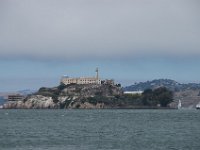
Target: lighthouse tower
[{"x": 97, "y": 73}]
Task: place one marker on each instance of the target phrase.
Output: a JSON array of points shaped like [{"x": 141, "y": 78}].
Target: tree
[
  {"x": 163, "y": 96},
  {"x": 147, "y": 97}
]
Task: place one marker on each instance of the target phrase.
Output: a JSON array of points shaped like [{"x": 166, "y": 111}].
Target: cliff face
[{"x": 69, "y": 96}]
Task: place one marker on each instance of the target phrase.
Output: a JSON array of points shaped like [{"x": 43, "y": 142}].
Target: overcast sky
[{"x": 129, "y": 39}]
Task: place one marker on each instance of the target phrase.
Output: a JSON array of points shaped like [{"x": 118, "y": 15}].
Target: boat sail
[
  {"x": 179, "y": 104},
  {"x": 198, "y": 106}
]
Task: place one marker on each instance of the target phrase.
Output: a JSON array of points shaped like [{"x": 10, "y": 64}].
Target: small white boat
[
  {"x": 198, "y": 106},
  {"x": 179, "y": 104}
]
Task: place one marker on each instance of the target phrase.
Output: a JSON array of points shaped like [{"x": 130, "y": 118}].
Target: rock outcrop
[{"x": 33, "y": 101}]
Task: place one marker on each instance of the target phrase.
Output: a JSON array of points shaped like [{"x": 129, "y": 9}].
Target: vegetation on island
[
  {"x": 188, "y": 93},
  {"x": 160, "y": 96}
]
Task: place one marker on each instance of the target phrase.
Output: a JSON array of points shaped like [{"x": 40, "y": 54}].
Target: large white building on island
[{"x": 82, "y": 80}]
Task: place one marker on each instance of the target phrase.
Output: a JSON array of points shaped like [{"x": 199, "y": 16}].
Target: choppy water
[{"x": 100, "y": 129}]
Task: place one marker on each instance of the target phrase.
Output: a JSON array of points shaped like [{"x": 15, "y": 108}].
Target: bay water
[{"x": 104, "y": 129}]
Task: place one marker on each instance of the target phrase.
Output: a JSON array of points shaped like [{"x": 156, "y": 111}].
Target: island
[
  {"x": 88, "y": 96},
  {"x": 89, "y": 93}
]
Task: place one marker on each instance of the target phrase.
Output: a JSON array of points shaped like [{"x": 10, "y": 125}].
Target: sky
[{"x": 128, "y": 40}]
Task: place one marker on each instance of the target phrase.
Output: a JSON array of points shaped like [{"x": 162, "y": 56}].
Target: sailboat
[
  {"x": 198, "y": 106},
  {"x": 179, "y": 104}
]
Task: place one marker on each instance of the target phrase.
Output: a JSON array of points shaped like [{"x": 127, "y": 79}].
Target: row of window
[{"x": 81, "y": 81}]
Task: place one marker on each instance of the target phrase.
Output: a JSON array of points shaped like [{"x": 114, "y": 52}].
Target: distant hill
[
  {"x": 189, "y": 93},
  {"x": 170, "y": 84},
  {"x": 26, "y": 92}
]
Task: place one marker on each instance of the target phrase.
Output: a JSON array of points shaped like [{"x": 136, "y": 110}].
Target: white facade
[
  {"x": 133, "y": 92},
  {"x": 81, "y": 80}
]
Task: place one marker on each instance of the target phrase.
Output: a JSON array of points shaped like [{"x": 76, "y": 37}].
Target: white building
[
  {"x": 82, "y": 80},
  {"x": 133, "y": 92}
]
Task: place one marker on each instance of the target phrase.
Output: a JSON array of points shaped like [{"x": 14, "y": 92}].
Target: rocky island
[{"x": 88, "y": 96}]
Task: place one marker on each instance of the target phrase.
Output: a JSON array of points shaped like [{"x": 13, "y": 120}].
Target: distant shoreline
[{"x": 169, "y": 108}]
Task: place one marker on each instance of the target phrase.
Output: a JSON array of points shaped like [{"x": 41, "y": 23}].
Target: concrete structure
[
  {"x": 81, "y": 80},
  {"x": 133, "y": 92},
  {"x": 108, "y": 81},
  {"x": 16, "y": 97}
]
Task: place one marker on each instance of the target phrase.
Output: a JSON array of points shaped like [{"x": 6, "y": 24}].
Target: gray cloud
[{"x": 78, "y": 29}]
